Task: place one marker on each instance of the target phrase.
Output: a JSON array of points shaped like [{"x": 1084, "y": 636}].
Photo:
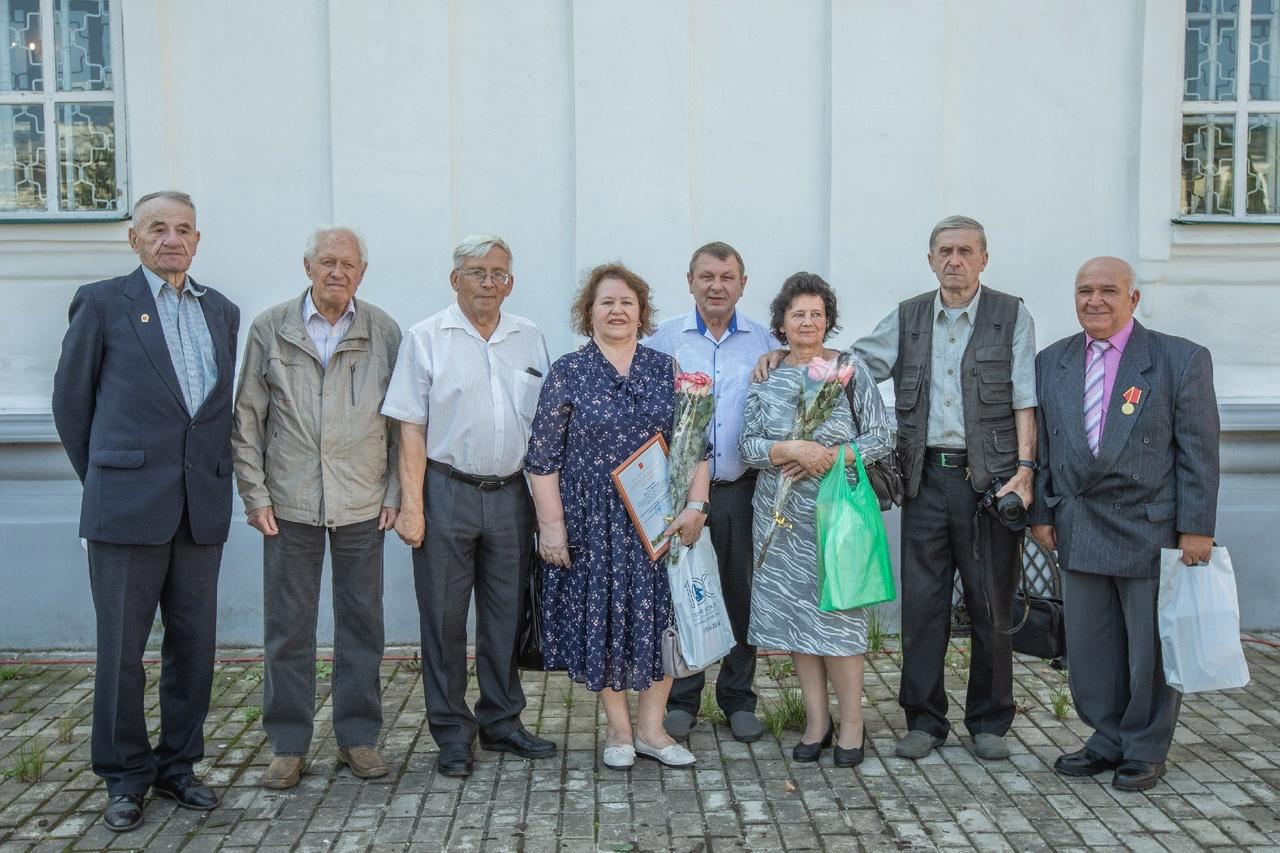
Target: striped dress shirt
[
  {"x": 729, "y": 362},
  {"x": 187, "y": 336},
  {"x": 324, "y": 335}
]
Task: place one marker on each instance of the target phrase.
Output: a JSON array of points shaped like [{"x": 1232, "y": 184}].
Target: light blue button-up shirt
[
  {"x": 325, "y": 336},
  {"x": 187, "y": 336},
  {"x": 729, "y": 362}
]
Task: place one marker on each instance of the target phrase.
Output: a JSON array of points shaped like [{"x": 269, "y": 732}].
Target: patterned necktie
[{"x": 1093, "y": 385}]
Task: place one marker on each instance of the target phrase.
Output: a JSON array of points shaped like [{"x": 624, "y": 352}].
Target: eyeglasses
[{"x": 476, "y": 276}]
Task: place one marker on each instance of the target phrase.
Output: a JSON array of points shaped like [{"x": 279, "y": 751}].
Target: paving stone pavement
[{"x": 1222, "y": 791}]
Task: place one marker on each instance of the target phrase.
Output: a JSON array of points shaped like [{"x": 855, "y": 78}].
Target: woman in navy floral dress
[{"x": 605, "y": 602}]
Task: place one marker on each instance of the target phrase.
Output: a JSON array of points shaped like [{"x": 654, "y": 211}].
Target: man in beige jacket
[{"x": 314, "y": 454}]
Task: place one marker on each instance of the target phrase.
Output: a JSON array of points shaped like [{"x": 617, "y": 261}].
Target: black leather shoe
[
  {"x": 454, "y": 759},
  {"x": 842, "y": 757},
  {"x": 1082, "y": 762},
  {"x": 1137, "y": 775},
  {"x": 187, "y": 790},
  {"x": 806, "y": 753},
  {"x": 123, "y": 813},
  {"x": 521, "y": 742}
]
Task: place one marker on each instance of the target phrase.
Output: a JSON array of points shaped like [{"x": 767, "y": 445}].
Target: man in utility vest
[{"x": 962, "y": 360}]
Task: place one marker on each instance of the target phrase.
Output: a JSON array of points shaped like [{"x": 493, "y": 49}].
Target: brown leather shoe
[
  {"x": 364, "y": 761},
  {"x": 283, "y": 771}
]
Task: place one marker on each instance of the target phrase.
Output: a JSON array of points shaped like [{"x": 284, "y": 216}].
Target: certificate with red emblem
[{"x": 642, "y": 482}]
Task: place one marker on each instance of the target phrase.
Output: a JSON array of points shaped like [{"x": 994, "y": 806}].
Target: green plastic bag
[{"x": 854, "y": 569}]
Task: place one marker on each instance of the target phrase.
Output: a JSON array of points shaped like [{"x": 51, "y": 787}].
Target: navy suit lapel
[
  {"x": 1070, "y": 385},
  {"x": 1135, "y": 362},
  {"x": 140, "y": 303},
  {"x": 217, "y": 323}
]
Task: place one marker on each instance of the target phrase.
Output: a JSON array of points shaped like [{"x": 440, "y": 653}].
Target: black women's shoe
[
  {"x": 807, "y": 753},
  {"x": 850, "y": 757}
]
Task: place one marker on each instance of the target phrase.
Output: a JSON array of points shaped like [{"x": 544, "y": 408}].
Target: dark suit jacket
[
  {"x": 1157, "y": 472},
  {"x": 119, "y": 412}
]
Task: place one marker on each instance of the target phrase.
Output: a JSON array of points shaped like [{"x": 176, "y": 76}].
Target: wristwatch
[
  {"x": 703, "y": 507},
  {"x": 1028, "y": 463}
]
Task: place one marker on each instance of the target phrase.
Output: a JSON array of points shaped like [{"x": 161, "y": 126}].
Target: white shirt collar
[
  {"x": 309, "y": 309},
  {"x": 455, "y": 319}
]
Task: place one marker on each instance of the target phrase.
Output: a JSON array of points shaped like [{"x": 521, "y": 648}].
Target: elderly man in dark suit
[
  {"x": 142, "y": 403},
  {"x": 1128, "y": 447}
]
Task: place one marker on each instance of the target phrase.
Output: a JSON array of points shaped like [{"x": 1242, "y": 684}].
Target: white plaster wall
[{"x": 826, "y": 135}]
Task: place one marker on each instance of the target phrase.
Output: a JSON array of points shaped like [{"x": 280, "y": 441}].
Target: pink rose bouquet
[
  {"x": 824, "y": 384},
  {"x": 694, "y": 407}
]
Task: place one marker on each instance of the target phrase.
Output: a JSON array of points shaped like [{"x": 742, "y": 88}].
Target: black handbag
[
  {"x": 529, "y": 637},
  {"x": 1038, "y": 625},
  {"x": 885, "y": 475}
]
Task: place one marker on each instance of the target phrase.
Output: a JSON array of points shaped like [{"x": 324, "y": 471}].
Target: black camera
[{"x": 1008, "y": 508}]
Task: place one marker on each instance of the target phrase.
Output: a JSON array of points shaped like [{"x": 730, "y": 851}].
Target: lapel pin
[
  {"x": 1131, "y": 398},
  {"x": 146, "y": 318}
]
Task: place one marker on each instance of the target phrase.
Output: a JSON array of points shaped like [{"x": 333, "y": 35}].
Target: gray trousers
[
  {"x": 128, "y": 583},
  {"x": 1114, "y": 666},
  {"x": 729, "y": 525},
  {"x": 477, "y": 540},
  {"x": 292, "y": 563}
]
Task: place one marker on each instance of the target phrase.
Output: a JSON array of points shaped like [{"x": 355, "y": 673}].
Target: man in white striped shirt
[{"x": 465, "y": 388}]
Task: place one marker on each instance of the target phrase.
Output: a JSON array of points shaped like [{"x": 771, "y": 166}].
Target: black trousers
[
  {"x": 938, "y": 540},
  {"x": 729, "y": 525},
  {"x": 128, "y": 583},
  {"x": 477, "y": 540}
]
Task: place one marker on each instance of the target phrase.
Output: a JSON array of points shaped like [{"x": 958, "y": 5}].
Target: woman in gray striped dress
[{"x": 784, "y": 595}]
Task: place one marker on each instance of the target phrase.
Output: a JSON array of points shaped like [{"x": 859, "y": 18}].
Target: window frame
[{"x": 50, "y": 97}]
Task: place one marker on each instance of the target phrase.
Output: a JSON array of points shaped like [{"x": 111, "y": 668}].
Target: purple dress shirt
[{"x": 1110, "y": 363}]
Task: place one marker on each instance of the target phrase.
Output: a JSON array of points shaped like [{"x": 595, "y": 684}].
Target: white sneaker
[
  {"x": 672, "y": 756},
  {"x": 619, "y": 757}
]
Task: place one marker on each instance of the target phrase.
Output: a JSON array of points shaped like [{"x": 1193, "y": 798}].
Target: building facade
[{"x": 826, "y": 135}]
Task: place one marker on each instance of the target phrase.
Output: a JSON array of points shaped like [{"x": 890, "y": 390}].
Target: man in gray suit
[{"x": 1128, "y": 451}]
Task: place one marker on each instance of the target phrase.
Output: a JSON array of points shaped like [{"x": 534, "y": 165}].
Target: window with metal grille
[
  {"x": 1231, "y": 111},
  {"x": 61, "y": 133}
]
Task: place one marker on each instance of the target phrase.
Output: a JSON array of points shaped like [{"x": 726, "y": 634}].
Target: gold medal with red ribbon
[{"x": 1131, "y": 398}]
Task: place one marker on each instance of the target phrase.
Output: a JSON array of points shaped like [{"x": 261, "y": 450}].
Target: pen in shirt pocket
[{"x": 533, "y": 372}]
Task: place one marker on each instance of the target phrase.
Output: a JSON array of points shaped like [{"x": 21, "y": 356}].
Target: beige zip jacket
[{"x": 311, "y": 442}]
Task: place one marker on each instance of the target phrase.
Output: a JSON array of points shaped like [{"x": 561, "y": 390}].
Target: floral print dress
[{"x": 603, "y": 617}]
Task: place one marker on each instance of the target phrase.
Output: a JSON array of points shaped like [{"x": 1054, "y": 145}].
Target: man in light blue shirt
[{"x": 716, "y": 340}]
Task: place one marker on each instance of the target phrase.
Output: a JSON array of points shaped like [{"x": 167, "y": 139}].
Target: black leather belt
[
  {"x": 747, "y": 475},
  {"x": 947, "y": 457},
  {"x": 484, "y": 484}
]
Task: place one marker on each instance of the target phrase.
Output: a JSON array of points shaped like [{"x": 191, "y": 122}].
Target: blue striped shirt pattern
[
  {"x": 729, "y": 362},
  {"x": 187, "y": 335}
]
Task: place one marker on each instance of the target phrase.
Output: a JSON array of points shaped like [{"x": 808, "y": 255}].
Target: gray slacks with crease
[
  {"x": 477, "y": 540},
  {"x": 1114, "y": 666},
  {"x": 292, "y": 563}
]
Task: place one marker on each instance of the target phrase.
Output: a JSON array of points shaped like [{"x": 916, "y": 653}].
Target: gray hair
[
  {"x": 324, "y": 232},
  {"x": 958, "y": 223},
  {"x": 477, "y": 246},
  {"x": 164, "y": 195}
]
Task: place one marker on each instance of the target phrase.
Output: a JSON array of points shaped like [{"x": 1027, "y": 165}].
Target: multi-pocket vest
[{"x": 986, "y": 384}]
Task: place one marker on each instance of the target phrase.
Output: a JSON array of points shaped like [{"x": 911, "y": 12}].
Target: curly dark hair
[
  {"x": 580, "y": 312},
  {"x": 802, "y": 284}
]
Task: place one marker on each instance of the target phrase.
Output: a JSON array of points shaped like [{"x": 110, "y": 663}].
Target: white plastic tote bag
[
  {"x": 700, "y": 616},
  {"x": 1200, "y": 624}
]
